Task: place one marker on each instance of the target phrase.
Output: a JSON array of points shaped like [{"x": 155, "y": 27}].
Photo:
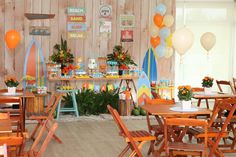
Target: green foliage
[
  {"x": 62, "y": 54},
  {"x": 185, "y": 93},
  {"x": 90, "y": 102},
  {"x": 207, "y": 82},
  {"x": 11, "y": 82},
  {"x": 121, "y": 56}
]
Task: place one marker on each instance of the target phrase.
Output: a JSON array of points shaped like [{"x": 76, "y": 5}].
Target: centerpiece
[
  {"x": 62, "y": 55},
  {"x": 11, "y": 84},
  {"x": 121, "y": 56},
  {"x": 185, "y": 94},
  {"x": 207, "y": 83}
]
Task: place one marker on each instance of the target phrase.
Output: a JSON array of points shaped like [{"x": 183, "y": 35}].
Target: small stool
[{"x": 74, "y": 103}]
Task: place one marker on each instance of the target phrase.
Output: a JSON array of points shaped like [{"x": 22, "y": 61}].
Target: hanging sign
[
  {"x": 105, "y": 27},
  {"x": 76, "y": 11},
  {"x": 76, "y": 34},
  {"x": 126, "y": 36},
  {"x": 105, "y": 11},
  {"x": 76, "y": 26},
  {"x": 127, "y": 21},
  {"x": 76, "y": 18}
]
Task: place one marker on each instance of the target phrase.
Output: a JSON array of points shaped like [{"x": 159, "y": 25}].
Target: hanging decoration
[
  {"x": 208, "y": 41},
  {"x": 12, "y": 38},
  {"x": 160, "y": 32}
]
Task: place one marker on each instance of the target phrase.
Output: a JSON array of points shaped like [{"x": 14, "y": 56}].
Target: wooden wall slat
[{"x": 93, "y": 46}]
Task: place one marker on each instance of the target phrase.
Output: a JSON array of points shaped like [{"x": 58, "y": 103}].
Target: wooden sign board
[
  {"x": 105, "y": 11},
  {"x": 127, "y": 21},
  {"x": 76, "y": 11},
  {"x": 76, "y": 18},
  {"x": 39, "y": 30},
  {"x": 76, "y": 34},
  {"x": 72, "y": 26},
  {"x": 126, "y": 36}
]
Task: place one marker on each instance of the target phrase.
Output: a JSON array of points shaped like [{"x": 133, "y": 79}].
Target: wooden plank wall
[{"x": 12, "y": 17}]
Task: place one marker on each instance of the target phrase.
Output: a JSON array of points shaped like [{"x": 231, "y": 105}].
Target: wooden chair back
[
  {"x": 15, "y": 143},
  {"x": 38, "y": 147},
  {"x": 221, "y": 83},
  {"x": 234, "y": 83},
  {"x": 187, "y": 122},
  {"x": 124, "y": 130},
  {"x": 52, "y": 105}
]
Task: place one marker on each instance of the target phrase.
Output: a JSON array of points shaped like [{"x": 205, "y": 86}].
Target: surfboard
[
  {"x": 150, "y": 66},
  {"x": 144, "y": 88},
  {"x": 34, "y": 65}
]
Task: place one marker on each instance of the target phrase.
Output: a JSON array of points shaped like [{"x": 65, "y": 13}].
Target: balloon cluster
[{"x": 161, "y": 36}]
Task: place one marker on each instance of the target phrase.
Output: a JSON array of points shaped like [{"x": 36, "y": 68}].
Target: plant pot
[
  {"x": 186, "y": 105},
  {"x": 207, "y": 90},
  {"x": 11, "y": 90}
]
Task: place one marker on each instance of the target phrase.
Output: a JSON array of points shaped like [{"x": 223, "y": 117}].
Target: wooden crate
[{"x": 36, "y": 104}]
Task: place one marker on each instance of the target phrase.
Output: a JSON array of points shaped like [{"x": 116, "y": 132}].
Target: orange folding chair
[
  {"x": 221, "y": 83},
  {"x": 132, "y": 137}
]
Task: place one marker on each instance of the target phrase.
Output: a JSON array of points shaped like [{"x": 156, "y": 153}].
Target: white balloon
[
  {"x": 208, "y": 40},
  {"x": 182, "y": 40},
  {"x": 168, "y": 20},
  {"x": 169, "y": 52},
  {"x": 154, "y": 31}
]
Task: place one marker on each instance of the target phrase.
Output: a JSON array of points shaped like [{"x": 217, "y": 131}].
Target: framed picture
[
  {"x": 105, "y": 26},
  {"x": 126, "y": 36},
  {"x": 127, "y": 21}
]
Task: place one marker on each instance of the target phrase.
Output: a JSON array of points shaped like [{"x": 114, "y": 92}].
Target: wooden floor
[{"x": 92, "y": 139}]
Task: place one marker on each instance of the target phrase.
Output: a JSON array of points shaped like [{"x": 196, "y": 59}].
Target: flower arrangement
[
  {"x": 67, "y": 69},
  {"x": 207, "y": 82},
  {"x": 185, "y": 93},
  {"x": 61, "y": 53},
  {"x": 121, "y": 56},
  {"x": 11, "y": 81}
]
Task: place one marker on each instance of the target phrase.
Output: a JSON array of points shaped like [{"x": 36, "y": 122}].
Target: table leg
[{"x": 23, "y": 114}]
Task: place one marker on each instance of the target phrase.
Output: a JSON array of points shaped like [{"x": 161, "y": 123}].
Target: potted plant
[
  {"x": 207, "y": 83},
  {"x": 121, "y": 56},
  {"x": 11, "y": 84},
  {"x": 61, "y": 54},
  {"x": 185, "y": 94}
]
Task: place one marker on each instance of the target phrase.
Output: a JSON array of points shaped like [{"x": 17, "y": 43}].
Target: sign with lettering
[
  {"x": 127, "y": 21},
  {"x": 76, "y": 26},
  {"x": 76, "y": 34},
  {"x": 105, "y": 11},
  {"x": 126, "y": 36},
  {"x": 76, "y": 11},
  {"x": 76, "y": 18}
]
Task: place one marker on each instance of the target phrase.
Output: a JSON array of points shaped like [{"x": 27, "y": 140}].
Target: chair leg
[
  {"x": 124, "y": 151},
  {"x": 207, "y": 104},
  {"x": 151, "y": 148},
  {"x": 35, "y": 130},
  {"x": 55, "y": 137}
]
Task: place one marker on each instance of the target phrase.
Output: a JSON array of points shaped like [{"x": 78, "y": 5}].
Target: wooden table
[
  {"x": 163, "y": 111},
  {"x": 213, "y": 95},
  {"x": 23, "y": 95}
]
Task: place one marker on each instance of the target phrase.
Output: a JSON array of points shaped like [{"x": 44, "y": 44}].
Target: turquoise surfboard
[{"x": 150, "y": 65}]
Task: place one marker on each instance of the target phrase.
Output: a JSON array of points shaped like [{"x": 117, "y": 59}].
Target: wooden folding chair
[
  {"x": 131, "y": 137},
  {"x": 178, "y": 147},
  {"x": 234, "y": 83},
  {"x": 15, "y": 144},
  {"x": 157, "y": 129},
  {"x": 217, "y": 127},
  {"x": 47, "y": 114},
  {"x": 3, "y": 150},
  {"x": 199, "y": 89},
  {"x": 221, "y": 83},
  {"x": 38, "y": 148}
]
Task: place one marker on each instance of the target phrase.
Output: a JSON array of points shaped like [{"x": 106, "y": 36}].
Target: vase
[
  {"x": 207, "y": 90},
  {"x": 11, "y": 90},
  {"x": 186, "y": 105}
]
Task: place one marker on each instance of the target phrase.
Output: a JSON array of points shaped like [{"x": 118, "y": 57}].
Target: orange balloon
[
  {"x": 158, "y": 19},
  {"x": 12, "y": 38},
  {"x": 155, "y": 41}
]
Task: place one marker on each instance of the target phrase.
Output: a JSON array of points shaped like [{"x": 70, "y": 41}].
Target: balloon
[
  {"x": 182, "y": 40},
  {"x": 155, "y": 41},
  {"x": 154, "y": 31},
  {"x": 160, "y": 9},
  {"x": 168, "y": 20},
  {"x": 12, "y": 38},
  {"x": 163, "y": 42},
  {"x": 158, "y": 20},
  {"x": 169, "y": 52},
  {"x": 169, "y": 40},
  {"x": 164, "y": 32},
  {"x": 208, "y": 40},
  {"x": 160, "y": 50}
]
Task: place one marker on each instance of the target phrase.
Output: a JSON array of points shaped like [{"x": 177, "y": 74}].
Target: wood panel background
[{"x": 93, "y": 46}]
